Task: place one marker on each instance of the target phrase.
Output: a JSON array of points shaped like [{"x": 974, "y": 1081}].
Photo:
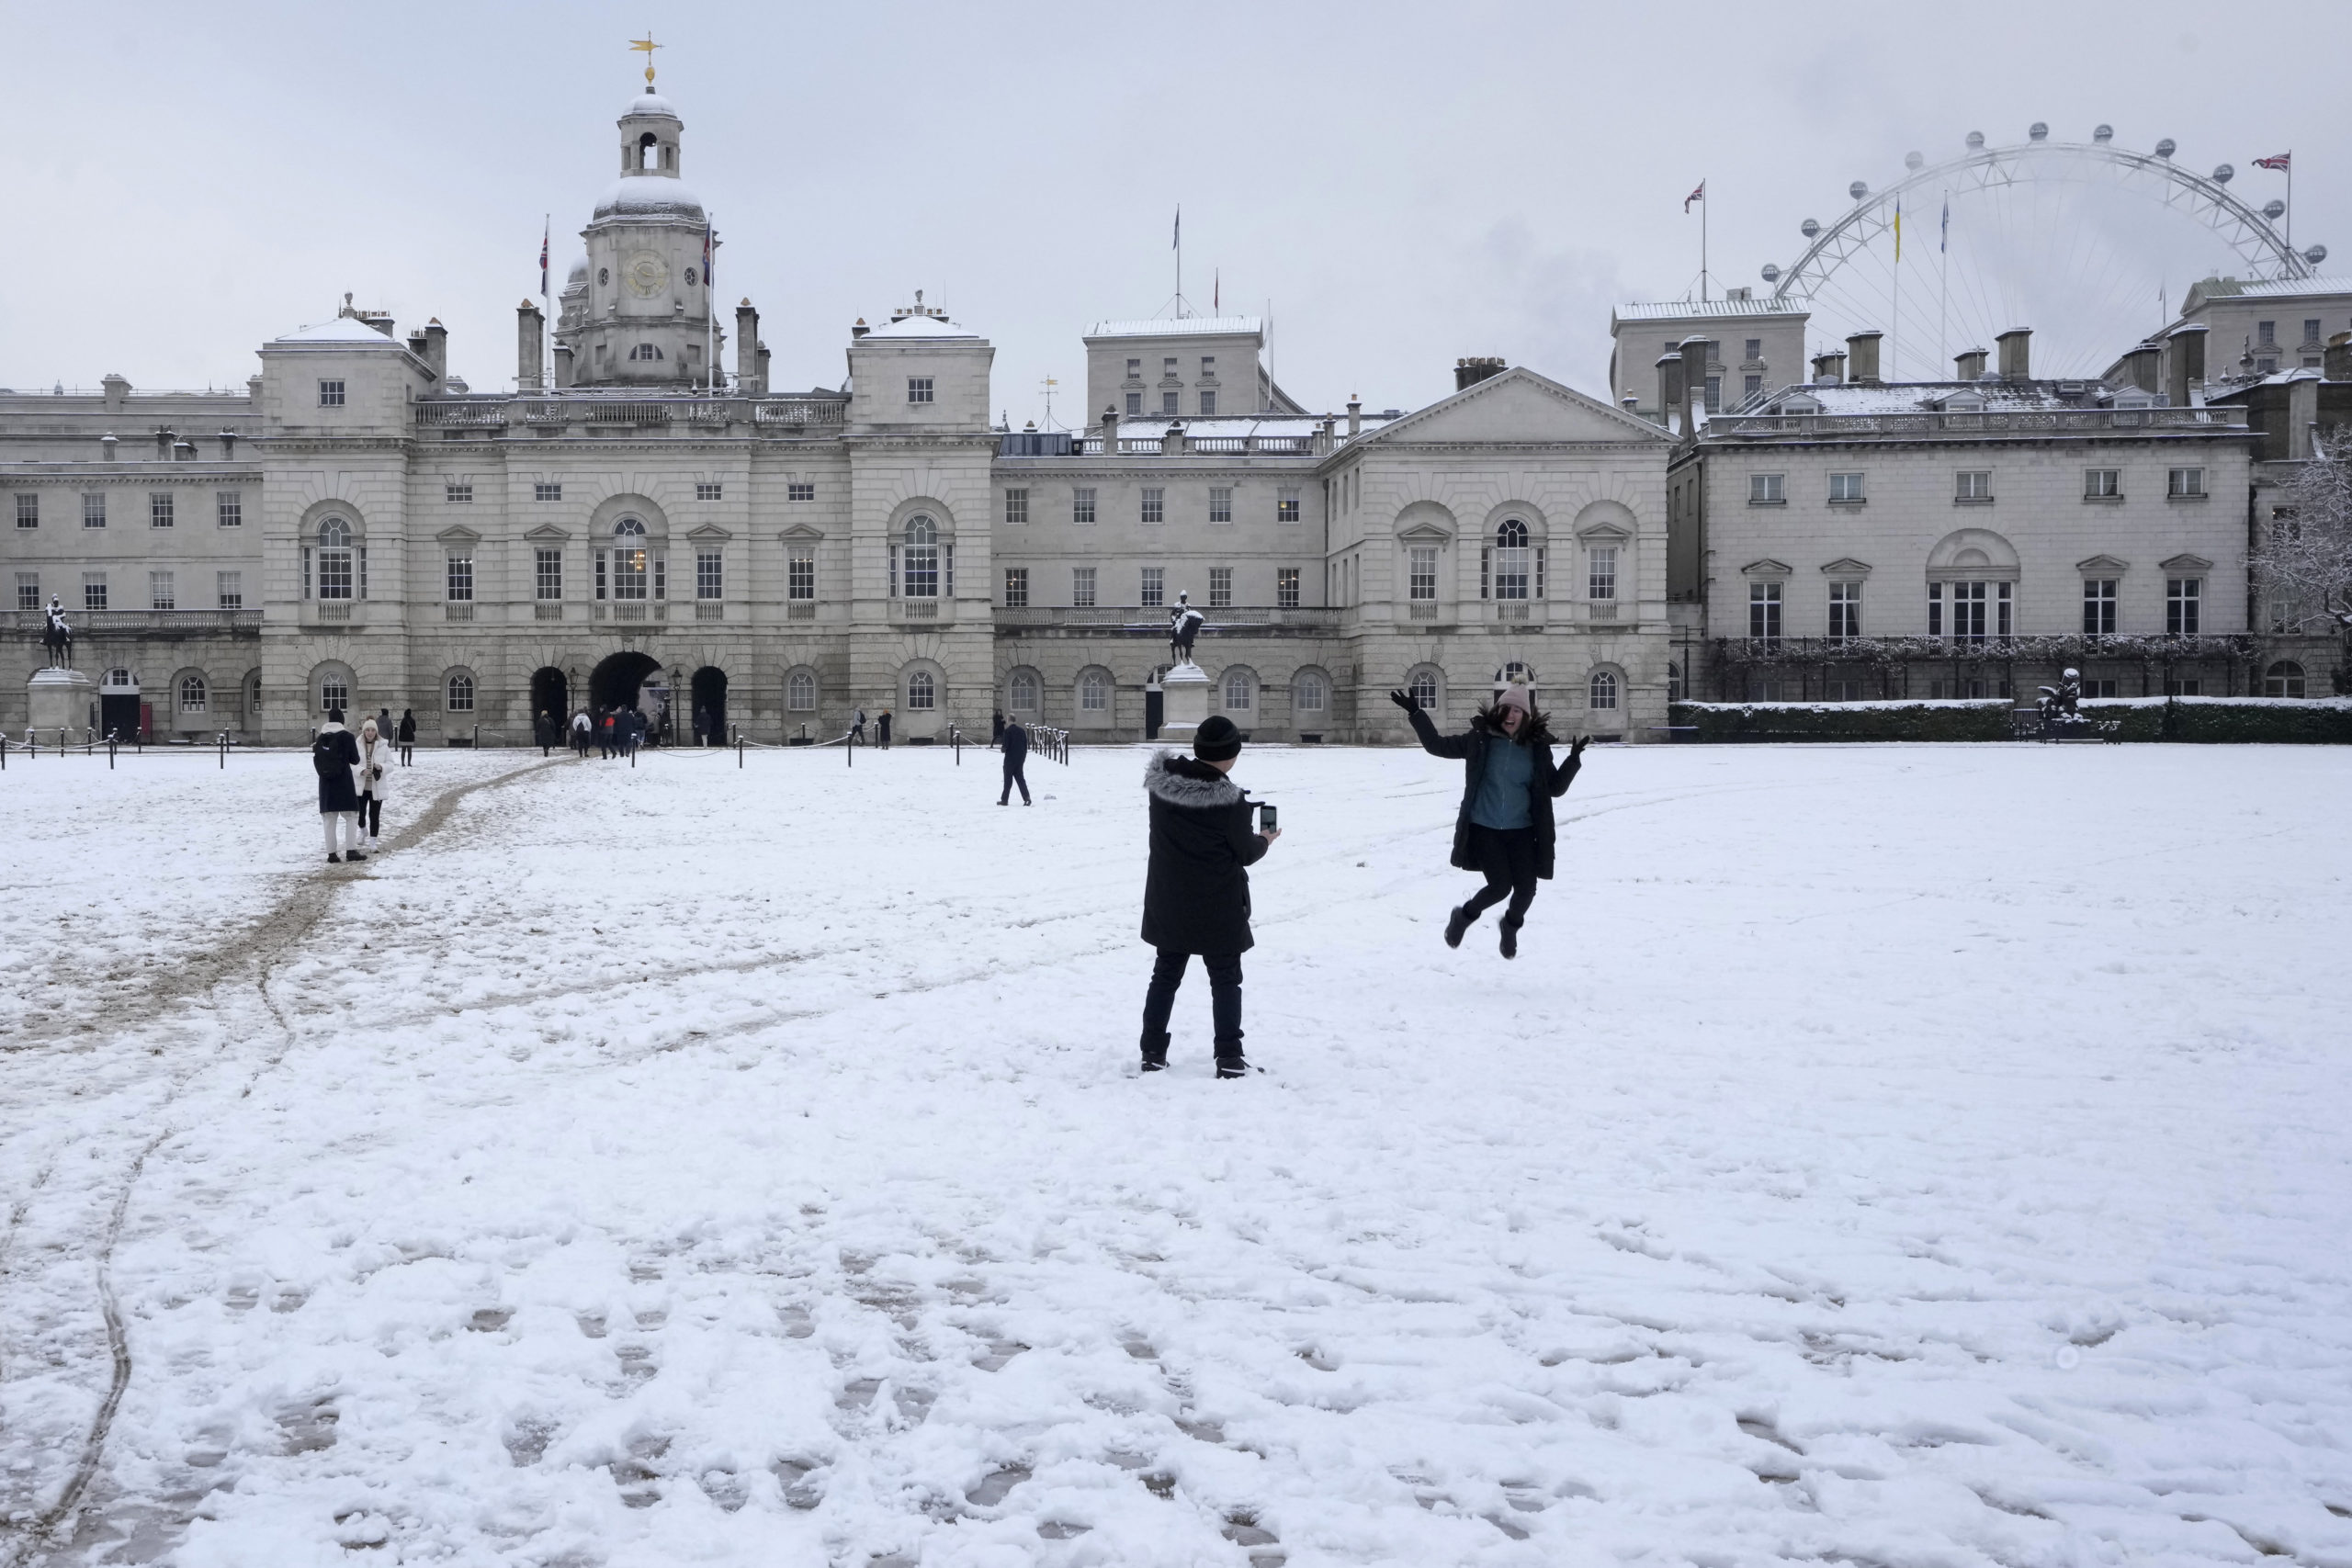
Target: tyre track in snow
[{"x": 265, "y": 941}]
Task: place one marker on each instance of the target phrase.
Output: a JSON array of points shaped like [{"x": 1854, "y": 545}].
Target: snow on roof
[
  {"x": 342, "y": 328},
  {"x": 921, "y": 327},
  {"x": 1177, "y": 326},
  {"x": 1226, "y": 426},
  {"x": 1698, "y": 310},
  {"x": 579, "y": 273},
  {"x": 662, "y": 195},
  {"x": 2269, "y": 287},
  {"x": 653, "y": 103},
  {"x": 1922, "y": 397}
]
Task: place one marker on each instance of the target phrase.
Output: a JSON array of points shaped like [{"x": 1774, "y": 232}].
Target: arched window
[
  {"x": 1423, "y": 687},
  {"x": 2284, "y": 678},
  {"x": 1674, "y": 682},
  {"x": 1023, "y": 691},
  {"x": 1307, "y": 693},
  {"x": 335, "y": 691},
  {"x": 800, "y": 692},
  {"x": 1236, "y": 690},
  {"x": 335, "y": 558},
  {"x": 120, "y": 679},
  {"x": 1601, "y": 692},
  {"x": 922, "y": 691},
  {"x": 630, "y": 560},
  {"x": 1510, "y": 571},
  {"x": 461, "y": 693},
  {"x": 1093, "y": 692},
  {"x": 921, "y": 558},
  {"x": 648, "y": 154},
  {"x": 646, "y": 350},
  {"x": 192, "y": 694}
]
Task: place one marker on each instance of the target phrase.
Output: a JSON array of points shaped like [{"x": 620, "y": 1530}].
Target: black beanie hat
[
  {"x": 334, "y": 716},
  {"x": 1217, "y": 739}
]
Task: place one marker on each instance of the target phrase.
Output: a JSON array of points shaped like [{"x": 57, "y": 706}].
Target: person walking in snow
[
  {"x": 1196, "y": 891},
  {"x": 580, "y": 728},
  {"x": 882, "y": 730},
  {"x": 408, "y": 738},
  {"x": 370, "y": 779},
  {"x": 334, "y": 757},
  {"x": 1015, "y": 741},
  {"x": 1504, "y": 829},
  {"x": 857, "y": 726}
]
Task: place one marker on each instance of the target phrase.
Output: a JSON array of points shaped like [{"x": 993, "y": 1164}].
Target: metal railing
[
  {"x": 615, "y": 407},
  {"x": 101, "y": 623},
  {"x": 1155, "y": 618},
  {"x": 1961, "y": 422}
]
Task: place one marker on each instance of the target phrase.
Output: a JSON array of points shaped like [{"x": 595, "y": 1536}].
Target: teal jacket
[{"x": 1548, "y": 783}]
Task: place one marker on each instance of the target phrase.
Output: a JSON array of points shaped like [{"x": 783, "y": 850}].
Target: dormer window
[{"x": 646, "y": 350}]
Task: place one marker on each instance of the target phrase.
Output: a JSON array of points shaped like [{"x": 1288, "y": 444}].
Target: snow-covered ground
[{"x": 1913, "y": 1156}]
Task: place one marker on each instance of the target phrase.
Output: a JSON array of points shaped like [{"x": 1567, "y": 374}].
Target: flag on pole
[
  {"x": 1943, "y": 241},
  {"x": 1176, "y": 239},
  {"x": 544, "y": 234},
  {"x": 1699, "y": 195},
  {"x": 1898, "y": 228},
  {"x": 2282, "y": 163},
  {"x": 706, "y": 277}
]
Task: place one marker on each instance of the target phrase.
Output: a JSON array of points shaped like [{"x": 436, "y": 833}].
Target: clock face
[{"x": 646, "y": 274}]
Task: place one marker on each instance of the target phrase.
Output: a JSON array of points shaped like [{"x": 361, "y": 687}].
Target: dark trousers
[
  {"x": 1224, "y": 998},
  {"x": 1507, "y": 857},
  {"x": 371, "y": 814},
  {"x": 408, "y": 753},
  {"x": 1013, "y": 776}
]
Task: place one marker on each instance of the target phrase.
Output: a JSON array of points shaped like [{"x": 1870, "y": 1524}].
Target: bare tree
[{"x": 2303, "y": 562}]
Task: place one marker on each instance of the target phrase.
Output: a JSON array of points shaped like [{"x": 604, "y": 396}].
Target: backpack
[{"x": 323, "y": 761}]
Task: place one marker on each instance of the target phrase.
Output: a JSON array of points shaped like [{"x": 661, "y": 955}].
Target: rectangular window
[
  {"x": 1714, "y": 398},
  {"x": 229, "y": 508},
  {"x": 546, "y": 574},
  {"x": 460, "y": 579},
  {"x": 2184, "y": 688},
  {"x": 1154, "y": 503},
  {"x": 28, "y": 590},
  {"x": 1287, "y": 587},
  {"x": 1972, "y": 484},
  {"x": 1168, "y": 402},
  {"x": 1154, "y": 592},
  {"x": 2181, "y": 594},
  {"x": 1220, "y": 588},
  {"x": 1600, "y": 578},
  {"x": 1134, "y": 369},
  {"x": 2098, "y": 606},
  {"x": 1081, "y": 587},
  {"x": 1167, "y": 367},
  {"x": 94, "y": 508},
  {"x": 1017, "y": 587},
  {"x": 1016, "y": 506},
  {"x": 1845, "y": 487},
  {"x": 1755, "y": 349},
  {"x": 918, "y": 388},
  {"x": 543, "y": 491},
  {"x": 800, "y": 576},
  {"x": 1845, "y": 611},
  {"x": 1208, "y": 366},
  {"x": 2265, "y": 334},
  {"x": 630, "y": 564},
  {"x": 161, "y": 592},
  {"x": 1135, "y": 405},
  {"x": 457, "y": 492},
  {"x": 600, "y": 576},
  {"x": 1935, "y": 609},
  {"x": 2102, "y": 484},
  {"x": 709, "y": 491},
  {"x": 1421, "y": 574},
  {"x": 2185, "y": 484},
  {"x": 160, "y": 512},
  {"x": 660, "y": 577},
  {"x": 1220, "y": 503},
  {"x": 28, "y": 510},
  {"x": 228, "y": 589},
  {"x": 1208, "y": 403},
  {"x": 1287, "y": 505},
  {"x": 1750, "y": 385},
  {"x": 799, "y": 490},
  {"x": 94, "y": 591},
  {"x": 710, "y": 574},
  {"x": 1767, "y": 490},
  {"x": 1764, "y": 611},
  {"x": 2311, "y": 329},
  {"x": 330, "y": 394}
]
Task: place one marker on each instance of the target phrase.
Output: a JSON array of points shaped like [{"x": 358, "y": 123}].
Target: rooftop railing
[
  {"x": 639, "y": 410},
  {"x": 1967, "y": 422}
]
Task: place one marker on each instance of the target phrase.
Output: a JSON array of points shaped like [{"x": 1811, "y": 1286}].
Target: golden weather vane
[{"x": 646, "y": 46}]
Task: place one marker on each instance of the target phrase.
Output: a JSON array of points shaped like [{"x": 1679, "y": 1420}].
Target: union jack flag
[
  {"x": 2284, "y": 162},
  {"x": 706, "y": 256},
  {"x": 1699, "y": 195},
  {"x": 543, "y": 262}
]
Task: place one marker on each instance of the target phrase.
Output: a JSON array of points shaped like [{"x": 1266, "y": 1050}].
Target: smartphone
[{"x": 1266, "y": 823}]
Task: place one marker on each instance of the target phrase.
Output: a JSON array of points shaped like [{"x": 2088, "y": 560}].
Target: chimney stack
[
  {"x": 860, "y": 330},
  {"x": 1468, "y": 373},
  {"x": 437, "y": 351},
  {"x": 747, "y": 350},
  {"x": 2183, "y": 362},
  {"x": 1968, "y": 364},
  {"x": 1861, "y": 357},
  {"x": 760, "y": 367},
  {"x": 1694, "y": 382},
  {"x": 530, "y": 336},
  {"x": 117, "y": 391},
  {"x": 1355, "y": 416},
  {"x": 1828, "y": 369},
  {"x": 1110, "y": 431},
  {"x": 2145, "y": 368},
  {"x": 2016, "y": 349},
  {"x": 2336, "y": 362},
  {"x": 2302, "y": 414},
  {"x": 564, "y": 366},
  {"x": 1669, "y": 388}
]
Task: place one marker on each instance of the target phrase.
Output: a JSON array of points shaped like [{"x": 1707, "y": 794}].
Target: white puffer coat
[{"x": 380, "y": 756}]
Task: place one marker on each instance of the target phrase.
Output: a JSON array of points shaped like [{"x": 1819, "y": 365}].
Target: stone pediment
[
  {"x": 708, "y": 532},
  {"x": 548, "y": 531},
  {"x": 1767, "y": 567},
  {"x": 1846, "y": 566},
  {"x": 2186, "y": 563},
  {"x": 458, "y": 534},
  {"x": 2102, "y": 566},
  {"x": 801, "y": 531},
  {"x": 1424, "y": 533},
  {"x": 1605, "y": 532},
  {"x": 1517, "y": 408}
]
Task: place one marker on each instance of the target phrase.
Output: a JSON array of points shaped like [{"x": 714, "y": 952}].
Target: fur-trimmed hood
[{"x": 1181, "y": 781}]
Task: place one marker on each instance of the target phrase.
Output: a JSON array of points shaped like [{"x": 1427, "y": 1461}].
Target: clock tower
[{"x": 647, "y": 320}]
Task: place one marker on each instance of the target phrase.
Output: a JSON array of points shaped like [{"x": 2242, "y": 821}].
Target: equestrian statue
[
  {"x": 1183, "y": 626},
  {"x": 57, "y": 637}
]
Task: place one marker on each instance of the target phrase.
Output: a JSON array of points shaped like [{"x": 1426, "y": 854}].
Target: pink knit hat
[{"x": 1515, "y": 696}]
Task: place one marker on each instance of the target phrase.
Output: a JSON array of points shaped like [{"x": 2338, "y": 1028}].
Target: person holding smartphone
[
  {"x": 1504, "y": 829},
  {"x": 1196, "y": 892}
]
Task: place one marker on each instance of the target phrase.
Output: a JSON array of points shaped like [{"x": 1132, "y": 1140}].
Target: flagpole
[
  {"x": 709, "y": 307},
  {"x": 1894, "y": 317},
  {"x": 1943, "y": 286},
  {"x": 547, "y": 305},
  {"x": 1703, "y": 246}
]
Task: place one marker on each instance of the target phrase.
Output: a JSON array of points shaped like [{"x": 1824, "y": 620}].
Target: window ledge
[
  {"x": 1972, "y": 500},
  {"x": 1856, "y": 501},
  {"x": 2102, "y": 501},
  {"x": 1753, "y": 502},
  {"x": 2189, "y": 498}
]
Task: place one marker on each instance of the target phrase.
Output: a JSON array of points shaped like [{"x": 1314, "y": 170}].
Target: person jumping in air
[{"x": 1504, "y": 829}]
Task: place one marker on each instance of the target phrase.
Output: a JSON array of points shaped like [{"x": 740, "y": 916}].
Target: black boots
[
  {"x": 1456, "y": 923},
  {"x": 1232, "y": 1068},
  {"x": 1510, "y": 938},
  {"x": 1155, "y": 1051}
]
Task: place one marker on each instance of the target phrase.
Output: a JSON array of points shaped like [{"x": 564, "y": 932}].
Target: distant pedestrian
[
  {"x": 1196, "y": 892},
  {"x": 335, "y": 756},
  {"x": 543, "y": 732},
  {"x": 996, "y": 726},
  {"x": 636, "y": 730},
  {"x": 857, "y": 726},
  {"x": 882, "y": 729},
  {"x": 606, "y": 738},
  {"x": 1015, "y": 741},
  {"x": 371, "y": 779},
  {"x": 581, "y": 726},
  {"x": 384, "y": 723},
  {"x": 1504, "y": 827},
  {"x": 407, "y": 738}
]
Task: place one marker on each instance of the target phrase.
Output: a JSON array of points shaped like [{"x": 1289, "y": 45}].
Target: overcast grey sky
[{"x": 1406, "y": 184}]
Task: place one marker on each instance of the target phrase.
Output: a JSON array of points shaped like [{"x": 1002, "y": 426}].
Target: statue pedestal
[
  {"x": 59, "y": 699},
  {"x": 1183, "y": 704}
]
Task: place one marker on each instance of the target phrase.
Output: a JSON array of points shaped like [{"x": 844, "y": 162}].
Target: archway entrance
[
  {"x": 615, "y": 683},
  {"x": 550, "y": 694},
  {"x": 710, "y": 706}
]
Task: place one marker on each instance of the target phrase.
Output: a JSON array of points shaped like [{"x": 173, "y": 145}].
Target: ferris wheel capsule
[
  {"x": 2316, "y": 255},
  {"x": 2224, "y": 174},
  {"x": 2039, "y": 130},
  {"x": 1975, "y": 140},
  {"x": 1914, "y": 161},
  {"x": 2274, "y": 210},
  {"x": 2103, "y": 133},
  {"x": 2164, "y": 148},
  {"x": 1809, "y": 228},
  {"x": 1858, "y": 190},
  {"x": 1771, "y": 272}
]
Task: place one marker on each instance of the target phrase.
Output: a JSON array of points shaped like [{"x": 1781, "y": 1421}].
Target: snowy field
[{"x": 1908, "y": 1157}]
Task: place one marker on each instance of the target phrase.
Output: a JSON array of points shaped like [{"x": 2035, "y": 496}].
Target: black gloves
[
  {"x": 1575, "y": 748},
  {"x": 1405, "y": 700}
]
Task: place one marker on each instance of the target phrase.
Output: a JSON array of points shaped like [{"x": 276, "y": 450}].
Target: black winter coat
[
  {"x": 1016, "y": 745},
  {"x": 340, "y": 748},
  {"x": 1548, "y": 783},
  {"x": 1196, "y": 894}
]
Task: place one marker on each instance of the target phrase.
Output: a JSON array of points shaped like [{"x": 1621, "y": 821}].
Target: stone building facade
[{"x": 639, "y": 523}]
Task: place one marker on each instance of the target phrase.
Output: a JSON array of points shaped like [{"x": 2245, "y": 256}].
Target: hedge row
[{"x": 2192, "y": 719}]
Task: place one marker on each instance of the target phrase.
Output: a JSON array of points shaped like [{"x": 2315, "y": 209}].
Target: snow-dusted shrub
[{"x": 1985, "y": 720}]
